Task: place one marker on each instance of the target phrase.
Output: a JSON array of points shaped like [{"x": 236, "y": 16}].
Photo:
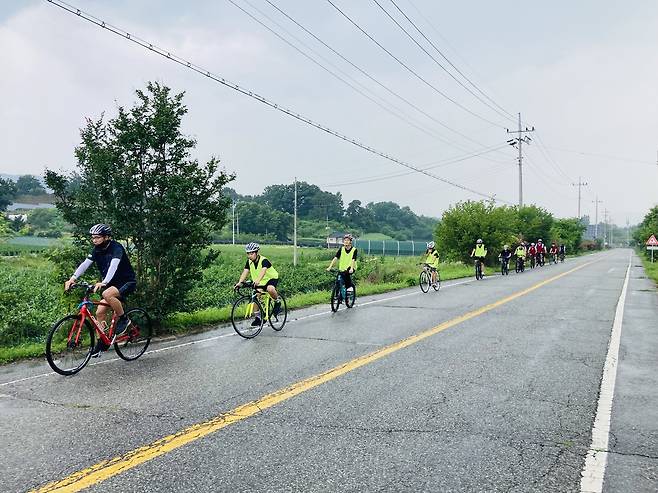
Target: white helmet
[
  {"x": 252, "y": 247},
  {"x": 100, "y": 229},
  {"x": 430, "y": 244}
]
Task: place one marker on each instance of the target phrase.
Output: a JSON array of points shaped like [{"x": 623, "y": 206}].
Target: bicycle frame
[
  {"x": 263, "y": 298},
  {"x": 85, "y": 311}
]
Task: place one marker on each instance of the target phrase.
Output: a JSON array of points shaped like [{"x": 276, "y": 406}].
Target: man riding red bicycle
[{"x": 119, "y": 278}]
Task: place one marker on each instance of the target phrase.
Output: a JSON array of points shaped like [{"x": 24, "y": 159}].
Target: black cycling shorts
[
  {"x": 125, "y": 289},
  {"x": 271, "y": 282}
]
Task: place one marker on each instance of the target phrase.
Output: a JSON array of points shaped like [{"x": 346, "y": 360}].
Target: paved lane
[{"x": 503, "y": 401}]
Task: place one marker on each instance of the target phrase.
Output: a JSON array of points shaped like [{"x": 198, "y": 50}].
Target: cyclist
[
  {"x": 520, "y": 253},
  {"x": 541, "y": 252},
  {"x": 553, "y": 252},
  {"x": 532, "y": 253},
  {"x": 505, "y": 254},
  {"x": 432, "y": 259},
  {"x": 346, "y": 256},
  {"x": 479, "y": 252},
  {"x": 119, "y": 278},
  {"x": 261, "y": 271},
  {"x": 562, "y": 251}
]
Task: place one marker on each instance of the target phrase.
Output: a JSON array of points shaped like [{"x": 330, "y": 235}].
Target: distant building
[{"x": 335, "y": 239}]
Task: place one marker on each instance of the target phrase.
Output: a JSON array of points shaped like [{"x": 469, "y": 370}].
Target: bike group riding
[{"x": 86, "y": 334}]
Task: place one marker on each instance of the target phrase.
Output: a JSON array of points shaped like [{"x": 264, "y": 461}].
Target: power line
[
  {"x": 185, "y": 63},
  {"x": 412, "y": 71},
  {"x": 433, "y": 58},
  {"x": 604, "y": 156},
  {"x": 369, "y": 76},
  {"x": 406, "y": 173},
  {"x": 388, "y": 110}
]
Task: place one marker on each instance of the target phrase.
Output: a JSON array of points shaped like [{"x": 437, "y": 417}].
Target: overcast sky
[{"x": 584, "y": 74}]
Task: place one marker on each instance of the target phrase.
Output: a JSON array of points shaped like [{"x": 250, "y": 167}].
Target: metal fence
[{"x": 391, "y": 247}]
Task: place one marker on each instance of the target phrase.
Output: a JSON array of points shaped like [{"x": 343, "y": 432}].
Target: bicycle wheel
[
  {"x": 424, "y": 281},
  {"x": 246, "y": 317},
  {"x": 69, "y": 344},
  {"x": 134, "y": 342},
  {"x": 335, "y": 298},
  {"x": 279, "y": 320},
  {"x": 437, "y": 285},
  {"x": 350, "y": 297},
  {"x": 478, "y": 271}
]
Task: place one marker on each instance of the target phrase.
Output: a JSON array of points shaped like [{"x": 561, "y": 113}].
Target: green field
[{"x": 32, "y": 299}]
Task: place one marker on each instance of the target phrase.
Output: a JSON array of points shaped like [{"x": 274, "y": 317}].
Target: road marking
[
  {"x": 199, "y": 341},
  {"x": 597, "y": 456},
  {"x": 108, "y": 468}
]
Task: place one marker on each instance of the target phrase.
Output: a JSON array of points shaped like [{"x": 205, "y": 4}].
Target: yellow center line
[{"x": 108, "y": 468}]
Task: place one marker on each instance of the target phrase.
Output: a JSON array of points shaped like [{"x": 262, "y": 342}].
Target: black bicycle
[
  {"x": 561, "y": 257},
  {"x": 253, "y": 307},
  {"x": 504, "y": 266},
  {"x": 425, "y": 278},
  {"x": 340, "y": 293},
  {"x": 520, "y": 264},
  {"x": 478, "y": 269},
  {"x": 540, "y": 259}
]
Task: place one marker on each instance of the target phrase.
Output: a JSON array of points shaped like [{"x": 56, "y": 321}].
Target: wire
[
  {"x": 365, "y": 73},
  {"x": 419, "y": 77},
  {"x": 448, "y": 60},
  {"x": 605, "y": 156},
  {"x": 164, "y": 53},
  {"x": 388, "y": 110},
  {"x": 406, "y": 173},
  {"x": 507, "y": 117}
]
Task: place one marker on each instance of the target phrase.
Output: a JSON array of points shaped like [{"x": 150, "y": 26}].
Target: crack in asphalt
[
  {"x": 70, "y": 405},
  {"x": 325, "y": 339}
]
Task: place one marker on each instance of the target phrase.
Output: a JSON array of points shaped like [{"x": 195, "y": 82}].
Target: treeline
[
  {"x": 465, "y": 222},
  {"x": 648, "y": 227},
  {"x": 271, "y": 213}
]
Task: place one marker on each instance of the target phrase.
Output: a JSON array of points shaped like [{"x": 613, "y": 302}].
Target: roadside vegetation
[{"x": 135, "y": 171}]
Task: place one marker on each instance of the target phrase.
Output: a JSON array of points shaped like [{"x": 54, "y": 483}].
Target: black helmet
[{"x": 100, "y": 229}]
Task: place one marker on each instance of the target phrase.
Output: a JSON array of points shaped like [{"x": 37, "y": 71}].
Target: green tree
[
  {"x": 46, "y": 222},
  {"x": 569, "y": 232},
  {"x": 5, "y": 228},
  {"x": 648, "y": 227},
  {"x": 7, "y": 193},
  {"x": 465, "y": 222},
  {"x": 135, "y": 173},
  {"x": 534, "y": 223},
  {"x": 29, "y": 185},
  {"x": 260, "y": 219}
]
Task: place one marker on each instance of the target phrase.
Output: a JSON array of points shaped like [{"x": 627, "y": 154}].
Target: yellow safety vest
[
  {"x": 345, "y": 260},
  {"x": 432, "y": 258},
  {"x": 480, "y": 250},
  {"x": 520, "y": 252},
  {"x": 256, "y": 267}
]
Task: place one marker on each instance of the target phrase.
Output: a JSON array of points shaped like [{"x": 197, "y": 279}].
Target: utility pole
[
  {"x": 233, "y": 207},
  {"x": 605, "y": 226},
  {"x": 628, "y": 233},
  {"x": 596, "y": 217},
  {"x": 612, "y": 230},
  {"x": 579, "y": 184},
  {"x": 518, "y": 141},
  {"x": 294, "y": 234},
  {"x": 237, "y": 224}
]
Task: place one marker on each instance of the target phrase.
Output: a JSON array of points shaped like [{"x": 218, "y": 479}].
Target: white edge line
[{"x": 597, "y": 456}]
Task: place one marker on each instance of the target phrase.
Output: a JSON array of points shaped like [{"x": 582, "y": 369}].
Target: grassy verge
[
  {"x": 650, "y": 268},
  {"x": 184, "y": 322}
]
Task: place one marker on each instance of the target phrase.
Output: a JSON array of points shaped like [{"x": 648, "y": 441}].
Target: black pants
[{"x": 347, "y": 279}]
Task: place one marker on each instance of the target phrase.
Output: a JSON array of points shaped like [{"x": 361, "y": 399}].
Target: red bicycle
[{"x": 71, "y": 340}]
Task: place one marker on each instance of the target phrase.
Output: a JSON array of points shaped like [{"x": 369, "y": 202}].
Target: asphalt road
[{"x": 501, "y": 395}]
